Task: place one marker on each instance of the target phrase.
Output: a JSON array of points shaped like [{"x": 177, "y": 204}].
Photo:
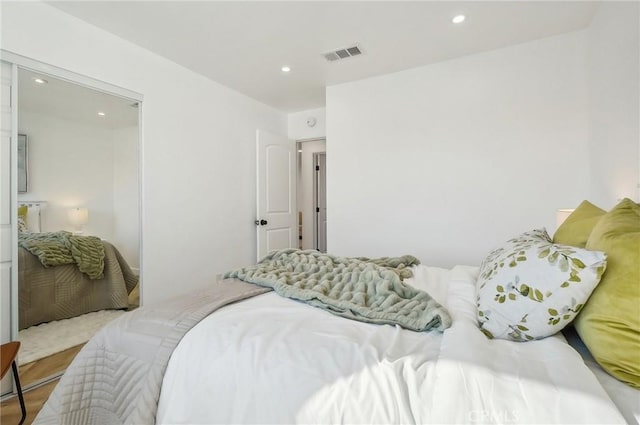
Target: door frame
[
  {"x": 316, "y": 184},
  {"x": 300, "y": 192},
  {"x": 22, "y": 62}
]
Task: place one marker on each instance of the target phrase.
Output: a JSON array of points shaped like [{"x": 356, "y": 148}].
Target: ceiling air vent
[{"x": 344, "y": 53}]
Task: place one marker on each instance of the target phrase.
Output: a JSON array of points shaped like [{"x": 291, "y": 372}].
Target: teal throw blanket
[{"x": 357, "y": 288}]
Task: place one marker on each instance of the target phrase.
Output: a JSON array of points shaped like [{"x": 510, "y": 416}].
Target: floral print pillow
[
  {"x": 22, "y": 226},
  {"x": 532, "y": 288}
]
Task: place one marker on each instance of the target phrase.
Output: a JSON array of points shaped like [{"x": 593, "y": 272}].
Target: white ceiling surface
[
  {"x": 74, "y": 102},
  {"x": 243, "y": 45}
]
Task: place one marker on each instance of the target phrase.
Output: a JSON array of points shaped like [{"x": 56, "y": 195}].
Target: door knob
[{"x": 261, "y": 222}]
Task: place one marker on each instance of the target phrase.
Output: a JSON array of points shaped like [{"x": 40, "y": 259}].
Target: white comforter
[{"x": 273, "y": 360}]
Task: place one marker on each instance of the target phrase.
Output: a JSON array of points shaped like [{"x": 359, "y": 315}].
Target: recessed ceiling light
[
  {"x": 458, "y": 19},
  {"x": 285, "y": 69},
  {"x": 102, "y": 114},
  {"x": 39, "y": 80}
]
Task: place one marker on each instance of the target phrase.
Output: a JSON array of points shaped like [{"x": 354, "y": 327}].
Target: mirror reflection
[{"x": 78, "y": 217}]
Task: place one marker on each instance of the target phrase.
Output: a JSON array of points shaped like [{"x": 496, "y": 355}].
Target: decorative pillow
[
  {"x": 22, "y": 212},
  {"x": 22, "y": 226},
  {"x": 609, "y": 324},
  {"x": 33, "y": 219},
  {"x": 532, "y": 288},
  {"x": 578, "y": 226}
]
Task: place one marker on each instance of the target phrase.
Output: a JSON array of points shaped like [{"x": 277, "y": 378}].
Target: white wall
[
  {"x": 448, "y": 160},
  {"x": 70, "y": 165},
  {"x": 198, "y": 151},
  {"x": 614, "y": 112},
  {"x": 298, "y": 128},
  {"x": 126, "y": 194}
]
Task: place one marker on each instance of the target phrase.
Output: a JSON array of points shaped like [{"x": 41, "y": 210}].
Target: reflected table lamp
[{"x": 78, "y": 217}]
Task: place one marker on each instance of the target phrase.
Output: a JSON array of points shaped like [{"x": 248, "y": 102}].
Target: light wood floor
[{"x": 35, "y": 398}]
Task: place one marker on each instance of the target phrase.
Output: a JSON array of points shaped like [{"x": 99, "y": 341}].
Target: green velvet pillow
[
  {"x": 578, "y": 226},
  {"x": 22, "y": 212},
  {"x": 609, "y": 323}
]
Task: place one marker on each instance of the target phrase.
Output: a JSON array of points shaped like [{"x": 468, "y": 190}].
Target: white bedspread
[{"x": 274, "y": 360}]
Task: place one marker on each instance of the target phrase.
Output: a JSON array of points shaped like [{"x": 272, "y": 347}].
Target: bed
[
  {"x": 62, "y": 292},
  {"x": 260, "y": 357},
  {"x": 272, "y": 369}
]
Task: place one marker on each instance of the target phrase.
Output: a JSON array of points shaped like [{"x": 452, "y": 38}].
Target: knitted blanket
[
  {"x": 361, "y": 289},
  {"x": 59, "y": 248}
]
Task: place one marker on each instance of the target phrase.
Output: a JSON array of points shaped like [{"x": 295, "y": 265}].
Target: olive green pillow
[
  {"x": 609, "y": 323},
  {"x": 23, "y": 211},
  {"x": 578, "y": 226}
]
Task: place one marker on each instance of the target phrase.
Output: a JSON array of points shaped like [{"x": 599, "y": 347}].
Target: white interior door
[
  {"x": 276, "y": 192},
  {"x": 6, "y": 215}
]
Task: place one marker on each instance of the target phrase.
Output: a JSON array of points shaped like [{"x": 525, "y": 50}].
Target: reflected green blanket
[
  {"x": 357, "y": 288},
  {"x": 59, "y": 248}
]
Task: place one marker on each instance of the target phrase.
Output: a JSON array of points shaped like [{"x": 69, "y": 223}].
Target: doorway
[
  {"x": 320, "y": 201},
  {"x": 311, "y": 221}
]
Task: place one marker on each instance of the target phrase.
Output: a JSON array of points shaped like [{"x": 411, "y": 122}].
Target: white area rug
[{"x": 43, "y": 340}]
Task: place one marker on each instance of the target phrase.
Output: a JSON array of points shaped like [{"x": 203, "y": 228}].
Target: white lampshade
[
  {"x": 78, "y": 216},
  {"x": 562, "y": 214}
]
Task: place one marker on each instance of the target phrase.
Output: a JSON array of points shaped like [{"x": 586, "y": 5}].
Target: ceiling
[
  {"x": 74, "y": 102},
  {"x": 243, "y": 45}
]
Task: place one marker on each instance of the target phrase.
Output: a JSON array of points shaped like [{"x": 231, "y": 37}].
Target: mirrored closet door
[{"x": 78, "y": 218}]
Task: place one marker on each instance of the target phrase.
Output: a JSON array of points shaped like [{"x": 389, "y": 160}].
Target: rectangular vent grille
[{"x": 345, "y": 53}]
